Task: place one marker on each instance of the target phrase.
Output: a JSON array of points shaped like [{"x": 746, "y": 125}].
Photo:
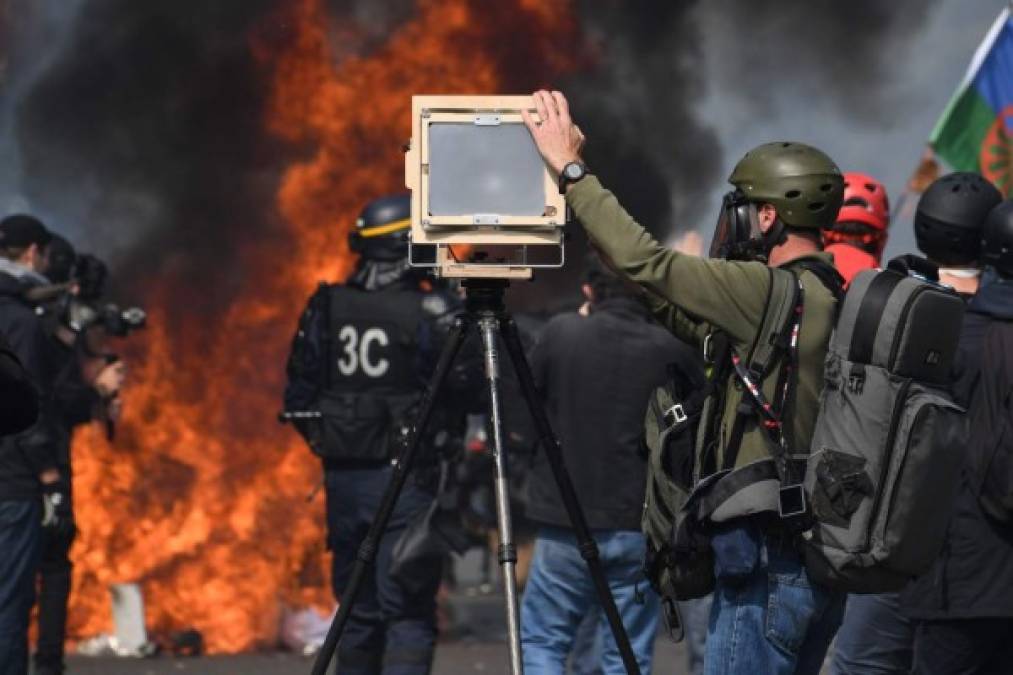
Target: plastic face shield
[{"x": 738, "y": 224}]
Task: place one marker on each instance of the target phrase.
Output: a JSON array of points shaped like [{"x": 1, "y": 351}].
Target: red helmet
[
  {"x": 865, "y": 202},
  {"x": 850, "y": 260}
]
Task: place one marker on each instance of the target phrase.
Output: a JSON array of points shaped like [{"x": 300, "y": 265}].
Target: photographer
[
  {"x": 767, "y": 616},
  {"x": 28, "y": 463},
  {"x": 359, "y": 360},
  {"x": 86, "y": 386},
  {"x": 595, "y": 374}
]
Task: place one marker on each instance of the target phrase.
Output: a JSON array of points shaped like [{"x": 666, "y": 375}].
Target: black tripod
[{"x": 485, "y": 309}]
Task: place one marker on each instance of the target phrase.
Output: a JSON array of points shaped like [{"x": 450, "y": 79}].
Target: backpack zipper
[{"x": 898, "y": 410}]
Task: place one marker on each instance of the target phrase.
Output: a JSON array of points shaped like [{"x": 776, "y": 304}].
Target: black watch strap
[{"x": 565, "y": 179}]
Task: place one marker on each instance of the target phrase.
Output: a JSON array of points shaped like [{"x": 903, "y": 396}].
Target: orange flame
[{"x": 202, "y": 499}]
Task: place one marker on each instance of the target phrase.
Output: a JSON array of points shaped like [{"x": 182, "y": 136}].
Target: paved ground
[
  {"x": 451, "y": 659},
  {"x": 474, "y": 643}
]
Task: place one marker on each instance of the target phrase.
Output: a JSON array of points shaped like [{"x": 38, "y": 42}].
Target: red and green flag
[{"x": 975, "y": 132}]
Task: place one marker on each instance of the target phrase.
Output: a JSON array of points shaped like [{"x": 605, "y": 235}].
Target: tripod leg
[
  {"x": 588, "y": 546},
  {"x": 507, "y": 549},
  {"x": 366, "y": 556}
]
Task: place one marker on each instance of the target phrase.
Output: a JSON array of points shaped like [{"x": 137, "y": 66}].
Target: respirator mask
[{"x": 737, "y": 235}]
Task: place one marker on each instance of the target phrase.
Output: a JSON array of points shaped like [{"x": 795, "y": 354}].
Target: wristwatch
[{"x": 571, "y": 173}]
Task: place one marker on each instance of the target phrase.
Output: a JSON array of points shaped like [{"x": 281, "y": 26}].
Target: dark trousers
[
  {"x": 963, "y": 647},
  {"x": 54, "y": 591},
  {"x": 391, "y": 630},
  {"x": 20, "y": 524}
]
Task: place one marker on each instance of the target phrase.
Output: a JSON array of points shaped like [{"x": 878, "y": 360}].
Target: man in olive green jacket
[{"x": 767, "y": 616}]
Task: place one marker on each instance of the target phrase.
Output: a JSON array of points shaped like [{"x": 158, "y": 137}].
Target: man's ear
[
  {"x": 766, "y": 214},
  {"x": 32, "y": 256},
  {"x": 588, "y": 292}
]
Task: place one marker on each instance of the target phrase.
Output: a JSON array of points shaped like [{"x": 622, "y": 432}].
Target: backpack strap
[
  {"x": 827, "y": 274},
  {"x": 770, "y": 342},
  {"x": 778, "y": 338}
]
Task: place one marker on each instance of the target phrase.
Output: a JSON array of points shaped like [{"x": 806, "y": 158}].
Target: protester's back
[{"x": 597, "y": 373}]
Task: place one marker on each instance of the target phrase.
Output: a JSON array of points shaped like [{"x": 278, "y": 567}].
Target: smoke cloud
[{"x": 142, "y": 125}]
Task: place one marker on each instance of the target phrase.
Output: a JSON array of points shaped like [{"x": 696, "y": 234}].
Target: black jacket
[
  {"x": 25, "y": 455},
  {"x": 596, "y": 374},
  {"x": 973, "y": 576}
]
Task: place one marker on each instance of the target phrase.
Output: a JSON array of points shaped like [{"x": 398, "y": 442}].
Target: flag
[{"x": 975, "y": 132}]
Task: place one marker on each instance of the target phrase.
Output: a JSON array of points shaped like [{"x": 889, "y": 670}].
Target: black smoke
[{"x": 145, "y": 127}]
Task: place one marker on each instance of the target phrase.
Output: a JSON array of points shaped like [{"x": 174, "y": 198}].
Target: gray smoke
[{"x": 139, "y": 123}]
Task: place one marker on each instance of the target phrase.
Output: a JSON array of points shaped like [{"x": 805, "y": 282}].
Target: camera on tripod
[
  {"x": 483, "y": 203},
  {"x": 85, "y": 309}
]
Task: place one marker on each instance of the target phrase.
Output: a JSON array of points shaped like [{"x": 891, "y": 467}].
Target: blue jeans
[
  {"x": 559, "y": 593},
  {"x": 391, "y": 629},
  {"x": 695, "y": 617},
  {"x": 774, "y": 621},
  {"x": 20, "y": 526},
  {"x": 874, "y": 637}
]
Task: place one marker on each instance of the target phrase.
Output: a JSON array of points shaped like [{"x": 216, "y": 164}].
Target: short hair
[
  {"x": 13, "y": 252},
  {"x": 604, "y": 282}
]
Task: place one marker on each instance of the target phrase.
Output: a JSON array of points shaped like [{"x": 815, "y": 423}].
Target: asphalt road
[
  {"x": 451, "y": 658},
  {"x": 474, "y": 641}
]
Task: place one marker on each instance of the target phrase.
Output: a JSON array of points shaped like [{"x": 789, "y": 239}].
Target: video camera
[{"x": 85, "y": 309}]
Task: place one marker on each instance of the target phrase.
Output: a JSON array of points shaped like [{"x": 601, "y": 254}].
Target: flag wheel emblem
[{"x": 996, "y": 158}]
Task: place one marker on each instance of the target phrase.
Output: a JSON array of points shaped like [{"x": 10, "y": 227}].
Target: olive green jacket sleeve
[{"x": 690, "y": 290}]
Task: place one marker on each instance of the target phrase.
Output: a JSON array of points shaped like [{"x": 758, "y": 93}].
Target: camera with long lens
[{"x": 85, "y": 309}]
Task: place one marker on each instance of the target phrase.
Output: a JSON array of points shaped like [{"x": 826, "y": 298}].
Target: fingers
[
  {"x": 529, "y": 121},
  {"x": 563, "y": 107},
  {"x": 551, "y": 112},
  {"x": 543, "y": 114}
]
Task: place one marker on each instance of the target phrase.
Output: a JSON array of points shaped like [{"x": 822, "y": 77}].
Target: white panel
[{"x": 483, "y": 170}]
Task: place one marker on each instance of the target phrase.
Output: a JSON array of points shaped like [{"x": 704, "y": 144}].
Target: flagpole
[{"x": 927, "y": 169}]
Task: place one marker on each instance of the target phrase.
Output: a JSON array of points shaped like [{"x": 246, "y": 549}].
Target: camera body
[
  {"x": 484, "y": 205},
  {"x": 81, "y": 315},
  {"x": 85, "y": 309}
]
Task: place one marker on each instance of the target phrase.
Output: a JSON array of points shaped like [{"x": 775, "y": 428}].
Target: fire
[{"x": 203, "y": 497}]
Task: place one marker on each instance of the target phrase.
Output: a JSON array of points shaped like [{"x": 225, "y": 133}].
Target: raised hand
[{"x": 558, "y": 139}]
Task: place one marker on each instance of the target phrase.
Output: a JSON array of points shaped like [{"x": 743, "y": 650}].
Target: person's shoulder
[
  {"x": 563, "y": 324},
  {"x": 670, "y": 344}
]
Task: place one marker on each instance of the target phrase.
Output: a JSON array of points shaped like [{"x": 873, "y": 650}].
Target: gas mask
[{"x": 737, "y": 235}]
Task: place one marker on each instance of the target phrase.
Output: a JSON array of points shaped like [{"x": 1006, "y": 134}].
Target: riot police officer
[{"x": 360, "y": 359}]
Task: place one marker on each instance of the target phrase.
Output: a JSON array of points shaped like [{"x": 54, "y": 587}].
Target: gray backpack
[{"x": 887, "y": 448}]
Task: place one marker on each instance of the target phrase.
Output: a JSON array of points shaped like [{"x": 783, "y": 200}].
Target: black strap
[
  {"x": 827, "y": 274},
  {"x": 733, "y": 482},
  {"x": 870, "y": 314}
]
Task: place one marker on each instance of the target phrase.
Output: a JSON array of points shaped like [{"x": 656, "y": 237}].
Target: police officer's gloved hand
[{"x": 57, "y": 514}]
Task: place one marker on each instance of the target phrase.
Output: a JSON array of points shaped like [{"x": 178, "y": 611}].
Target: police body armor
[{"x": 370, "y": 386}]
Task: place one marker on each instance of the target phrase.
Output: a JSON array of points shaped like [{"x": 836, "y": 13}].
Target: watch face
[{"x": 573, "y": 170}]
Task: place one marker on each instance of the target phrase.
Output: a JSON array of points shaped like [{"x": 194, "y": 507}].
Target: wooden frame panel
[{"x": 447, "y": 230}]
